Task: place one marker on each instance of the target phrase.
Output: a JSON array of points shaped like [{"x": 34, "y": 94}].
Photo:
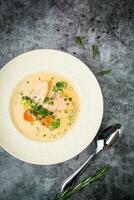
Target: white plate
[{"x": 88, "y": 122}]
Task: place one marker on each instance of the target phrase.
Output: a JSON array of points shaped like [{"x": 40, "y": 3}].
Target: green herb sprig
[
  {"x": 95, "y": 50},
  {"x": 79, "y": 42},
  {"x": 88, "y": 181},
  {"x": 104, "y": 72}
]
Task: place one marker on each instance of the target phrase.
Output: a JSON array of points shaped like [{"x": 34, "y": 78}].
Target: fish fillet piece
[
  {"x": 59, "y": 104},
  {"x": 40, "y": 91}
]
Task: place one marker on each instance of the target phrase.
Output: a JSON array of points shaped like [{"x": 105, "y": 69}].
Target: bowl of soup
[{"x": 51, "y": 107}]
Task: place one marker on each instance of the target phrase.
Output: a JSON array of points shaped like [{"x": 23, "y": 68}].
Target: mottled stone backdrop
[{"x": 33, "y": 24}]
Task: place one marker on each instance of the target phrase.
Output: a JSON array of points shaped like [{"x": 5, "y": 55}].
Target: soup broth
[{"x": 44, "y": 106}]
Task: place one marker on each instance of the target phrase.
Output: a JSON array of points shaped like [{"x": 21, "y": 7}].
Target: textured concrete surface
[{"x": 33, "y": 24}]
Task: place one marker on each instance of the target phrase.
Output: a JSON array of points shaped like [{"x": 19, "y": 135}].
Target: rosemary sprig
[{"x": 86, "y": 182}]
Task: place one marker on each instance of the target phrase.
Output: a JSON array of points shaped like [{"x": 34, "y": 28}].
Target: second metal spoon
[{"x": 107, "y": 139}]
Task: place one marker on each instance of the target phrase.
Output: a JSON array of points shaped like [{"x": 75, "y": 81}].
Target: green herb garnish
[
  {"x": 86, "y": 182},
  {"x": 59, "y": 86},
  {"x": 66, "y": 111},
  {"x": 79, "y": 42},
  {"x": 95, "y": 50},
  {"x": 49, "y": 101},
  {"x": 40, "y": 110},
  {"x": 46, "y": 100},
  {"x": 55, "y": 124},
  {"x": 104, "y": 72},
  {"x": 36, "y": 109}
]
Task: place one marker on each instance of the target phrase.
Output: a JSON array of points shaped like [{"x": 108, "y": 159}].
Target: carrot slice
[
  {"x": 27, "y": 116},
  {"x": 47, "y": 121}
]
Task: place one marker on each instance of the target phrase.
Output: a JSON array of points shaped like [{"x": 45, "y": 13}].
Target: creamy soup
[{"x": 44, "y": 106}]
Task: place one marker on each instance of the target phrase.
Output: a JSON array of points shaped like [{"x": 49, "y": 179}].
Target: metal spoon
[{"x": 108, "y": 138}]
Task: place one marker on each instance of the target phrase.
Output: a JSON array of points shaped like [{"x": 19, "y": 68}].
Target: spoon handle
[
  {"x": 110, "y": 137},
  {"x": 73, "y": 177}
]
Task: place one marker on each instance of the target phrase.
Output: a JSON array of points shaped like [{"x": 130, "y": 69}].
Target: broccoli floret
[
  {"x": 55, "y": 124},
  {"x": 59, "y": 86},
  {"x": 26, "y": 102}
]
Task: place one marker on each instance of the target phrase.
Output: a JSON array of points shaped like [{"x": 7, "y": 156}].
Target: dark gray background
[{"x": 27, "y": 25}]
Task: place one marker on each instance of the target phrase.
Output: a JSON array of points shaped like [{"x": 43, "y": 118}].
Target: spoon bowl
[{"x": 110, "y": 135}]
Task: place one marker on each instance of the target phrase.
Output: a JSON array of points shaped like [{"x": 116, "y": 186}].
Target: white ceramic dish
[{"x": 88, "y": 122}]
